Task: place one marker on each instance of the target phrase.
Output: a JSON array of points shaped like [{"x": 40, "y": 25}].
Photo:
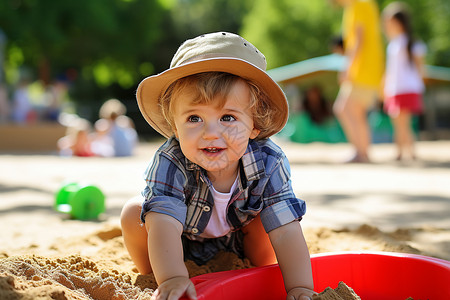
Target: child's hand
[
  {"x": 174, "y": 288},
  {"x": 300, "y": 293}
]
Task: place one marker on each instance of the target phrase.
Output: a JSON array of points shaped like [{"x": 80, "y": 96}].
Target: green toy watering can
[{"x": 82, "y": 202}]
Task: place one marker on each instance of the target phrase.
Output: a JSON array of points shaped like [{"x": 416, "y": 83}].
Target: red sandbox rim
[{"x": 372, "y": 275}]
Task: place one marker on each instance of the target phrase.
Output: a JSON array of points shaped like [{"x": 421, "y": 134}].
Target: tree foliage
[
  {"x": 194, "y": 17},
  {"x": 104, "y": 40},
  {"x": 287, "y": 31}
]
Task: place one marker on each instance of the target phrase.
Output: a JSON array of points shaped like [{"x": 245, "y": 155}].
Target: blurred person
[
  {"x": 121, "y": 132},
  {"x": 5, "y": 109},
  {"x": 127, "y": 124},
  {"x": 337, "y": 45},
  {"x": 77, "y": 141},
  {"x": 361, "y": 79},
  {"x": 22, "y": 110},
  {"x": 54, "y": 95},
  {"x": 101, "y": 143},
  {"x": 316, "y": 105},
  {"x": 403, "y": 83}
]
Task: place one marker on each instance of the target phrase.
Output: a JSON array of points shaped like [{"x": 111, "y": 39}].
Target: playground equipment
[{"x": 81, "y": 201}]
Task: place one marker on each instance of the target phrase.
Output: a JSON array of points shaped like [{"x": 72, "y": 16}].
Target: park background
[{"x": 103, "y": 48}]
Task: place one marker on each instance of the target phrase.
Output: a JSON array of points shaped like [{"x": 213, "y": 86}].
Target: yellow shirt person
[
  {"x": 361, "y": 80},
  {"x": 366, "y": 66}
]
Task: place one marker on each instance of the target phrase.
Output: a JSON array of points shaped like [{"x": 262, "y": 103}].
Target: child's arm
[
  {"x": 294, "y": 261},
  {"x": 419, "y": 60},
  {"x": 166, "y": 257}
]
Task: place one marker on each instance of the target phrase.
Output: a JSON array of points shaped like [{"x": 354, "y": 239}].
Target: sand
[
  {"x": 342, "y": 292},
  {"x": 108, "y": 273},
  {"x": 46, "y": 255}
]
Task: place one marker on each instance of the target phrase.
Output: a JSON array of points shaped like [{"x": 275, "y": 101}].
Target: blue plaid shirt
[{"x": 179, "y": 188}]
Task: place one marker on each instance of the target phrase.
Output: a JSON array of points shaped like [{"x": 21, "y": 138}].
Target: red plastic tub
[{"x": 372, "y": 275}]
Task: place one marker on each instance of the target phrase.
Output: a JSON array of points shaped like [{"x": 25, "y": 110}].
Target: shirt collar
[{"x": 252, "y": 162}]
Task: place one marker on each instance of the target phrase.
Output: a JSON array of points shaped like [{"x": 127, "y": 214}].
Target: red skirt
[{"x": 410, "y": 102}]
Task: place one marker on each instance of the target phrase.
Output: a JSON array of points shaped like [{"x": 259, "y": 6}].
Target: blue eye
[
  {"x": 228, "y": 118},
  {"x": 194, "y": 119}
]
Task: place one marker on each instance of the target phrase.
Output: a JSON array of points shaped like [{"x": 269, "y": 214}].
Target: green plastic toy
[{"x": 82, "y": 202}]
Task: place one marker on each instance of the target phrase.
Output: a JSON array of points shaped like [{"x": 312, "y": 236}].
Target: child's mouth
[{"x": 212, "y": 150}]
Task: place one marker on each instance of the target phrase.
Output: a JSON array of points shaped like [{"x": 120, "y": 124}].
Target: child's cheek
[
  {"x": 189, "y": 132},
  {"x": 237, "y": 138}
]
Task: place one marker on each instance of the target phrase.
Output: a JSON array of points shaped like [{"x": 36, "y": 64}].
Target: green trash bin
[{"x": 80, "y": 201}]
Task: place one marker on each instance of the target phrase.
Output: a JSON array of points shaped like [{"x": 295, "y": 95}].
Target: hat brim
[{"x": 152, "y": 88}]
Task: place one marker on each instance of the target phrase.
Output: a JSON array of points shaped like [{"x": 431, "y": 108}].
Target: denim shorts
[{"x": 202, "y": 251}]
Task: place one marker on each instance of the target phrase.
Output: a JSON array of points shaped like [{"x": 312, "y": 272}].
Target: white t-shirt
[
  {"x": 402, "y": 75},
  {"x": 218, "y": 225}
]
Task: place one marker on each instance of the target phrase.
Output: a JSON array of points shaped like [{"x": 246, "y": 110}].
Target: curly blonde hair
[{"x": 215, "y": 86}]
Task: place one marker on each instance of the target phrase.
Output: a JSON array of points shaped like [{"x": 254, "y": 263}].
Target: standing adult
[{"x": 361, "y": 81}]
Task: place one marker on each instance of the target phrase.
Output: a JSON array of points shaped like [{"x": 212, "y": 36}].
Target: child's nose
[{"x": 211, "y": 131}]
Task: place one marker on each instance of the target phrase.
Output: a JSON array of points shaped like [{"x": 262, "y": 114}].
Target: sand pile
[
  {"x": 101, "y": 270},
  {"x": 72, "y": 277},
  {"x": 342, "y": 292},
  {"x": 76, "y": 277},
  {"x": 97, "y": 266}
]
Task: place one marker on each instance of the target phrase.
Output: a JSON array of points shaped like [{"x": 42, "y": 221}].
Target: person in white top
[{"x": 403, "y": 84}]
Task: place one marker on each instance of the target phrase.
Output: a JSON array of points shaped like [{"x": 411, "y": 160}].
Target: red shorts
[{"x": 410, "y": 102}]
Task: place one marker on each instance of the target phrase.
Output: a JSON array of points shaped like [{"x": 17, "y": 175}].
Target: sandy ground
[{"x": 383, "y": 206}]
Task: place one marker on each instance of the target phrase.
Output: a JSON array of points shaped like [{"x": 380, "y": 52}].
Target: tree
[
  {"x": 195, "y": 17},
  {"x": 287, "y": 31},
  {"x": 104, "y": 40}
]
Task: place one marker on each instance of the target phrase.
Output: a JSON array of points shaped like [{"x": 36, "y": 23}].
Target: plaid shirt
[{"x": 181, "y": 189}]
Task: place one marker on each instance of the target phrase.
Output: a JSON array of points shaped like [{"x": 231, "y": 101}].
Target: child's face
[
  {"x": 391, "y": 27},
  {"x": 212, "y": 137}
]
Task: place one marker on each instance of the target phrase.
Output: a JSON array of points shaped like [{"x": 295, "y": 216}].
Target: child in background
[
  {"x": 218, "y": 183},
  {"x": 403, "y": 86},
  {"x": 101, "y": 143},
  {"x": 122, "y": 133},
  {"x": 77, "y": 141}
]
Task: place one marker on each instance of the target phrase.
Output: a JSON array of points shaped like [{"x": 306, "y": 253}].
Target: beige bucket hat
[{"x": 213, "y": 52}]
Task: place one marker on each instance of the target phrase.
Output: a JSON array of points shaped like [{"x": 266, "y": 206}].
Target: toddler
[
  {"x": 218, "y": 183},
  {"x": 403, "y": 87}
]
